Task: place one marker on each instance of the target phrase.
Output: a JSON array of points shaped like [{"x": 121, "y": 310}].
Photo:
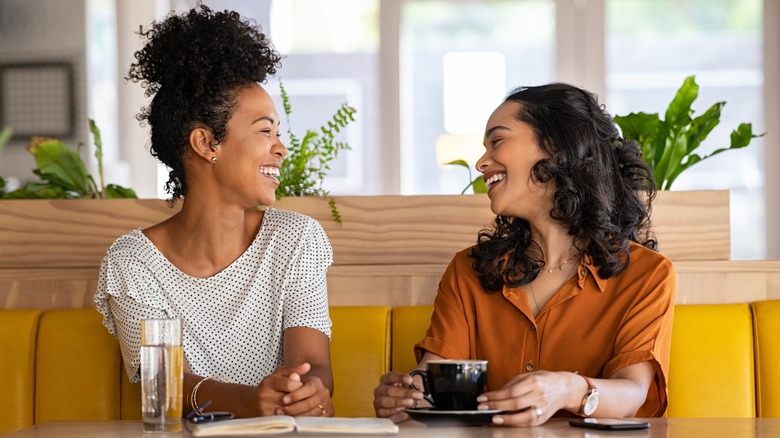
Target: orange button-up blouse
[{"x": 591, "y": 325}]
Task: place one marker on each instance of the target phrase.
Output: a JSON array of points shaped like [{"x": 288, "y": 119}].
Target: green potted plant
[
  {"x": 669, "y": 145},
  {"x": 309, "y": 156},
  {"x": 477, "y": 184},
  {"x": 64, "y": 173}
]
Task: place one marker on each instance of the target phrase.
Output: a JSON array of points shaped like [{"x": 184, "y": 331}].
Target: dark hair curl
[
  {"x": 603, "y": 189},
  {"x": 194, "y": 65}
]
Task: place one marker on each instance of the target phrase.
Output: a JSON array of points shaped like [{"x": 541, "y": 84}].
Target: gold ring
[{"x": 539, "y": 412}]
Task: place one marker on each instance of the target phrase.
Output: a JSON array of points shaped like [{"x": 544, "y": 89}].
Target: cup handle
[{"x": 426, "y": 392}]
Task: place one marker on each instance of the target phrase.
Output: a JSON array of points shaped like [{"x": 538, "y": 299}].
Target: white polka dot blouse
[{"x": 233, "y": 321}]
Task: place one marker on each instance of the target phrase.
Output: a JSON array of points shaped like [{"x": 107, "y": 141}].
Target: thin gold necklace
[
  {"x": 560, "y": 267},
  {"x": 550, "y": 270},
  {"x": 533, "y": 295}
]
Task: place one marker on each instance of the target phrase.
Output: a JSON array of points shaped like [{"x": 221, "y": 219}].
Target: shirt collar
[{"x": 587, "y": 271}]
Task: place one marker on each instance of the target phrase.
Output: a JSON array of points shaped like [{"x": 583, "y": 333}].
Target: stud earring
[{"x": 214, "y": 159}]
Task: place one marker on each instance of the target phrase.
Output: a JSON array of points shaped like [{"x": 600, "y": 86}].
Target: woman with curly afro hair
[
  {"x": 248, "y": 283},
  {"x": 566, "y": 296}
]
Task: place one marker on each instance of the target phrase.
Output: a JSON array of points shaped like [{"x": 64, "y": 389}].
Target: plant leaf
[
  {"x": 674, "y": 152},
  {"x": 668, "y": 146},
  {"x": 5, "y": 135},
  {"x": 701, "y": 126},
  {"x": 98, "y": 154},
  {"x": 459, "y": 163},
  {"x": 38, "y": 191},
  {"x": 679, "y": 111},
  {"x": 308, "y": 159},
  {"x": 472, "y": 183},
  {"x": 478, "y": 185},
  {"x": 742, "y": 136},
  {"x": 642, "y": 128},
  {"x": 114, "y": 191},
  {"x": 691, "y": 160},
  {"x": 61, "y": 166},
  {"x": 334, "y": 211},
  {"x": 671, "y": 143}
]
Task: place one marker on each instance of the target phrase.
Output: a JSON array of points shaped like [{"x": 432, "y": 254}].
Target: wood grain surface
[
  {"x": 390, "y": 250},
  {"x": 376, "y": 230},
  {"x": 698, "y": 282}
]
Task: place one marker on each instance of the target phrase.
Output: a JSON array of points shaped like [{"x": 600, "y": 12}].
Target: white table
[{"x": 557, "y": 428}]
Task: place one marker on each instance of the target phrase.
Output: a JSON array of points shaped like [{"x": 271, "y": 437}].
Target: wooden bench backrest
[{"x": 389, "y": 251}]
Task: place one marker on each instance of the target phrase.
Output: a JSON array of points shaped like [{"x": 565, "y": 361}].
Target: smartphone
[
  {"x": 209, "y": 417},
  {"x": 608, "y": 423}
]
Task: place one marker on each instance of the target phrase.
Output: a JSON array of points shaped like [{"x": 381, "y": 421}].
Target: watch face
[{"x": 591, "y": 403}]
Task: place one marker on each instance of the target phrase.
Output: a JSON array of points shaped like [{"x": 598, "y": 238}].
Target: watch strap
[{"x": 591, "y": 390}]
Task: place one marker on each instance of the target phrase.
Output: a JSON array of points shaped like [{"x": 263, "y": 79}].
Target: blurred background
[{"x": 424, "y": 75}]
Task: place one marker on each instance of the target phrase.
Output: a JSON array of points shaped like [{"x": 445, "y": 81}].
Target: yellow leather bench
[
  {"x": 52, "y": 358},
  {"x": 360, "y": 354},
  {"x": 76, "y": 362},
  {"x": 766, "y": 322},
  {"x": 409, "y": 326},
  {"x": 18, "y": 337},
  {"x": 711, "y": 370}
]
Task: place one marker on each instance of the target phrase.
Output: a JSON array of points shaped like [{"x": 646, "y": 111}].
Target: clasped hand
[{"x": 288, "y": 391}]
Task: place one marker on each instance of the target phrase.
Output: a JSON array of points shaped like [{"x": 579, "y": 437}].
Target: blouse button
[
  {"x": 533, "y": 328},
  {"x": 529, "y": 366}
]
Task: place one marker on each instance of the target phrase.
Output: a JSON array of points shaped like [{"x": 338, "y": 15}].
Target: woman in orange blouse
[{"x": 565, "y": 296}]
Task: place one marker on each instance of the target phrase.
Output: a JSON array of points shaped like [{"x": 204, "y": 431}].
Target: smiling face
[
  {"x": 511, "y": 151},
  {"x": 251, "y": 153}
]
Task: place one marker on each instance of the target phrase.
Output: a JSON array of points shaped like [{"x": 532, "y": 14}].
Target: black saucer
[{"x": 432, "y": 417}]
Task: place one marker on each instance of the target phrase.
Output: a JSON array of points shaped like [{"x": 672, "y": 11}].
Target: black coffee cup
[{"x": 453, "y": 385}]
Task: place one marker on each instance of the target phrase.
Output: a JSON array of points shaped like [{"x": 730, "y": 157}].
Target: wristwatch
[{"x": 590, "y": 401}]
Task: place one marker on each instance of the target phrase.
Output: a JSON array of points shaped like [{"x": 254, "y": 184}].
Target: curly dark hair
[
  {"x": 195, "y": 65},
  {"x": 604, "y": 190}
]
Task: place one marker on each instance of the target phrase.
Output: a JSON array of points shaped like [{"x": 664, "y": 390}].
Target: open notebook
[{"x": 279, "y": 424}]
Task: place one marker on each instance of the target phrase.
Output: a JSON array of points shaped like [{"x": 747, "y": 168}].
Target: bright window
[
  {"x": 458, "y": 60},
  {"x": 652, "y": 45},
  {"x": 330, "y": 51}
]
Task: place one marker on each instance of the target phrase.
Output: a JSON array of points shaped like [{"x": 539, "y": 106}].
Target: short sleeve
[
  {"x": 645, "y": 336},
  {"x": 449, "y": 334},
  {"x": 306, "y": 289},
  {"x": 126, "y": 294}
]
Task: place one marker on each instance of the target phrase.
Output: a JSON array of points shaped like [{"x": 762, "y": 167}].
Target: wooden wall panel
[
  {"x": 390, "y": 250},
  {"x": 377, "y": 230},
  {"x": 693, "y": 225},
  {"x": 735, "y": 281},
  {"x": 47, "y": 288},
  {"x": 698, "y": 282},
  {"x": 69, "y": 232}
]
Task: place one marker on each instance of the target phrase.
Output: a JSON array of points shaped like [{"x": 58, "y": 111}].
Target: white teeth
[
  {"x": 270, "y": 171},
  {"x": 495, "y": 178}
]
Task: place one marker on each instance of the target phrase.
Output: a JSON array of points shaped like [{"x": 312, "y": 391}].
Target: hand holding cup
[{"x": 453, "y": 385}]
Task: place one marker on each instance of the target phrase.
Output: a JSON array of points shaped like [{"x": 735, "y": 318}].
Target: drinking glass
[{"x": 162, "y": 374}]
